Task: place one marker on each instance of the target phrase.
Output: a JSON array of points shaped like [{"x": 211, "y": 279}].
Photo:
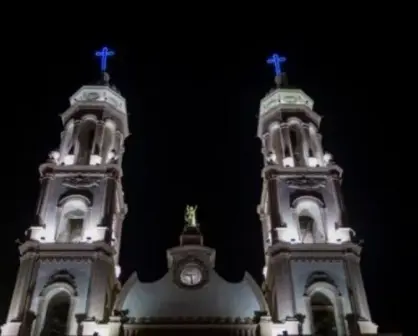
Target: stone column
[
  {"x": 102, "y": 269},
  {"x": 273, "y": 206},
  {"x": 357, "y": 287},
  {"x": 275, "y": 144},
  {"x": 66, "y": 140},
  {"x": 27, "y": 268},
  {"x": 316, "y": 140},
  {"x": 283, "y": 289},
  {"x": 287, "y": 142}
]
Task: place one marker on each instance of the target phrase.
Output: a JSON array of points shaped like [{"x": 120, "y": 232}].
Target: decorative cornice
[
  {"x": 314, "y": 252},
  {"x": 81, "y": 181},
  {"x": 82, "y": 252},
  {"x": 109, "y": 170},
  {"x": 319, "y": 276},
  {"x": 305, "y": 183},
  {"x": 276, "y": 171},
  {"x": 200, "y": 320},
  {"x": 63, "y": 259}
]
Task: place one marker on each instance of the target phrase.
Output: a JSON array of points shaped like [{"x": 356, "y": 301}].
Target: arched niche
[
  {"x": 56, "y": 304},
  {"x": 309, "y": 218},
  {"x": 324, "y": 308},
  {"x": 72, "y": 216}
]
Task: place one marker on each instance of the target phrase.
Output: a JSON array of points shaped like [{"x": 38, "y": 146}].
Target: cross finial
[
  {"x": 277, "y": 61},
  {"x": 103, "y": 54}
]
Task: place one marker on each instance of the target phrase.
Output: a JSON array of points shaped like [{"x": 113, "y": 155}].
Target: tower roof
[
  {"x": 284, "y": 99},
  {"x": 102, "y": 91},
  {"x": 285, "y": 96},
  {"x": 101, "y": 95}
]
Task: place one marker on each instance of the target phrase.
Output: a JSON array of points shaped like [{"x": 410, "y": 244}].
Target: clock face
[{"x": 191, "y": 275}]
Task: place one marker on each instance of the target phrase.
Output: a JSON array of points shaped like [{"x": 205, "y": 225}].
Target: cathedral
[{"x": 67, "y": 282}]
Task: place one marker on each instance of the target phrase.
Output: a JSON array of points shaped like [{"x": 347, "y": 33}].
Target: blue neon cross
[
  {"x": 276, "y": 60},
  {"x": 104, "y": 54}
]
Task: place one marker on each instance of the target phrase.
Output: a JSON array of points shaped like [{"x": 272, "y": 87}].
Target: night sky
[{"x": 193, "y": 117}]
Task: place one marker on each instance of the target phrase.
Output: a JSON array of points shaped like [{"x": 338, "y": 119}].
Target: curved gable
[{"x": 218, "y": 298}]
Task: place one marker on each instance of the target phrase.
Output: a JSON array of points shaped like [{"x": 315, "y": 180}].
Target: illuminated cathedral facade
[{"x": 67, "y": 282}]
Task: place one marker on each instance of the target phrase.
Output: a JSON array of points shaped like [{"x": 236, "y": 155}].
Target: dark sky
[{"x": 193, "y": 108}]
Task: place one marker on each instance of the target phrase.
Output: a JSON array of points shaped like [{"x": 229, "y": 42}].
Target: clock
[{"x": 191, "y": 275}]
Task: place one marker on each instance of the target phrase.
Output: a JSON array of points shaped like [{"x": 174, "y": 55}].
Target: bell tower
[
  {"x": 313, "y": 282},
  {"x": 68, "y": 274}
]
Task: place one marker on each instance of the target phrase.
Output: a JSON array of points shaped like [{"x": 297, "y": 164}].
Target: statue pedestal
[
  {"x": 10, "y": 328},
  {"x": 91, "y": 328},
  {"x": 368, "y": 327}
]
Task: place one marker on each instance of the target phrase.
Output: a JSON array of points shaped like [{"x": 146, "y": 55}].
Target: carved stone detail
[
  {"x": 199, "y": 320},
  {"x": 60, "y": 259},
  {"x": 320, "y": 277},
  {"x": 61, "y": 276},
  {"x": 81, "y": 181},
  {"x": 306, "y": 183}
]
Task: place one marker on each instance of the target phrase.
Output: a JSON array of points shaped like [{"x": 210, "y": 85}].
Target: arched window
[
  {"x": 71, "y": 223},
  {"x": 296, "y": 145},
  {"x": 57, "y": 314},
  {"x": 296, "y": 141},
  {"x": 309, "y": 219},
  {"x": 306, "y": 227},
  {"x": 324, "y": 306},
  {"x": 55, "y": 305},
  {"x": 86, "y": 139},
  {"x": 286, "y": 146}
]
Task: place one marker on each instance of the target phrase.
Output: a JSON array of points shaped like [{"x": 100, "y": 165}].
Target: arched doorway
[
  {"x": 323, "y": 315},
  {"x": 56, "y": 317}
]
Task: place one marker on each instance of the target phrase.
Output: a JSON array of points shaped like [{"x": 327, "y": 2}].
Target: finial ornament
[
  {"x": 276, "y": 60},
  {"x": 103, "y": 55},
  {"x": 190, "y": 216},
  {"x": 106, "y": 78}
]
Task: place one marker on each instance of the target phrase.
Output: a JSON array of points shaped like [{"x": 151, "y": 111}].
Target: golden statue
[{"x": 190, "y": 215}]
